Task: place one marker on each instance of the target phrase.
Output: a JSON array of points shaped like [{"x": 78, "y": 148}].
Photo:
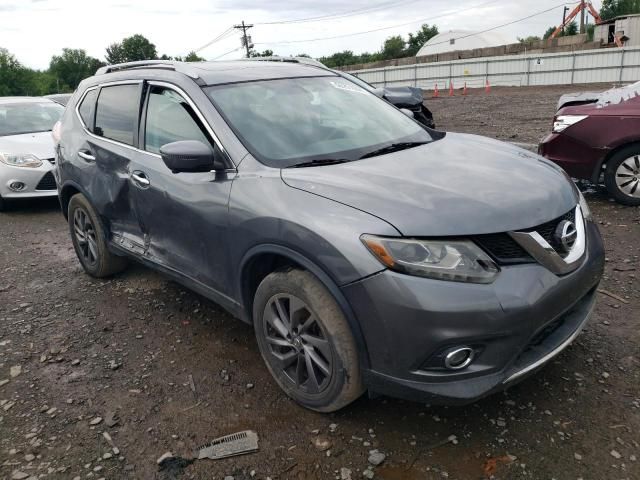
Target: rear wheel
[
  {"x": 89, "y": 240},
  {"x": 306, "y": 341},
  {"x": 622, "y": 176}
]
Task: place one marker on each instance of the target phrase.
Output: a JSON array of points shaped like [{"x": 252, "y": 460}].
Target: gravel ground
[{"x": 98, "y": 379}]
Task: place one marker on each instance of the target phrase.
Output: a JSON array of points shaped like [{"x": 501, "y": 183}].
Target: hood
[
  {"x": 608, "y": 97},
  {"x": 39, "y": 144},
  {"x": 404, "y": 96},
  {"x": 459, "y": 185}
]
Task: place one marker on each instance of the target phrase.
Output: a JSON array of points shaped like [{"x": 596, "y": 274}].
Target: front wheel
[
  {"x": 306, "y": 341},
  {"x": 622, "y": 176}
]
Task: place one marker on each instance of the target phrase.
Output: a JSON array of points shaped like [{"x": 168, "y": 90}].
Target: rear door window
[
  {"x": 170, "y": 118},
  {"x": 87, "y": 108},
  {"x": 117, "y": 113}
]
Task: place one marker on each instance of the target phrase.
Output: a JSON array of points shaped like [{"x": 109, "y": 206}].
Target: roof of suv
[{"x": 216, "y": 73}]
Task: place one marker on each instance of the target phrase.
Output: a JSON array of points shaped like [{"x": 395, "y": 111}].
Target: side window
[
  {"x": 170, "y": 119},
  {"x": 117, "y": 113},
  {"x": 87, "y": 107}
]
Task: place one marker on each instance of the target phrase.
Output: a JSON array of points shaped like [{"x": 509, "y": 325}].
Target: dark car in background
[
  {"x": 368, "y": 253},
  {"x": 596, "y": 137}
]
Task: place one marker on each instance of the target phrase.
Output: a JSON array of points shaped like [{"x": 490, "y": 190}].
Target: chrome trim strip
[
  {"x": 555, "y": 351},
  {"x": 546, "y": 255},
  {"x": 160, "y": 84}
]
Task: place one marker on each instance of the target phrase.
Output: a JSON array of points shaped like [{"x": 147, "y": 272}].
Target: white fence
[{"x": 608, "y": 65}]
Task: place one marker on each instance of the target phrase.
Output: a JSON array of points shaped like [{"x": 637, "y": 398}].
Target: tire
[
  {"x": 319, "y": 335},
  {"x": 3, "y": 205},
  {"x": 89, "y": 240},
  {"x": 622, "y": 176}
]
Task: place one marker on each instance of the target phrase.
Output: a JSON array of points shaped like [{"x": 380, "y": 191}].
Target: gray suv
[{"x": 369, "y": 252}]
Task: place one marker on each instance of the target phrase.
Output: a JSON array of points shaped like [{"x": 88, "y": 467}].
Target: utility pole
[
  {"x": 246, "y": 40},
  {"x": 583, "y": 7}
]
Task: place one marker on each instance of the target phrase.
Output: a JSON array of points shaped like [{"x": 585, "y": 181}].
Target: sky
[{"x": 34, "y": 30}]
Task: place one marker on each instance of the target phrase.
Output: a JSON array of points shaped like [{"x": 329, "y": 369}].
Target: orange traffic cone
[
  {"x": 436, "y": 93},
  {"x": 464, "y": 90},
  {"x": 450, "y": 88},
  {"x": 487, "y": 87}
]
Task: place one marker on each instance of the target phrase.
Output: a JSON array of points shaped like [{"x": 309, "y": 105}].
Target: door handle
[
  {"x": 86, "y": 155},
  {"x": 140, "y": 179}
]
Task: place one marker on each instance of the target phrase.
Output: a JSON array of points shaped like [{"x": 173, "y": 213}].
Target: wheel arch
[
  {"x": 262, "y": 260},
  {"x": 595, "y": 177}
]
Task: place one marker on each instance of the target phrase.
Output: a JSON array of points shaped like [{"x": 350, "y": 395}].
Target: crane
[{"x": 582, "y": 6}]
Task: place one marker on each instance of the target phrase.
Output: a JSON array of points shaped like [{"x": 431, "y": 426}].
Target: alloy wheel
[
  {"x": 85, "y": 236},
  {"x": 628, "y": 176},
  {"x": 297, "y": 343}
]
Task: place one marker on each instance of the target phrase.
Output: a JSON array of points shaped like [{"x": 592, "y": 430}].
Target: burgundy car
[{"x": 599, "y": 133}]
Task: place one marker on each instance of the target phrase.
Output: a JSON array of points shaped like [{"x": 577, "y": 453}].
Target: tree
[
  {"x": 393, "y": 47},
  {"x": 340, "y": 59},
  {"x": 193, "y": 57},
  {"x": 614, "y": 8},
  {"x": 265, "y": 53},
  {"x": 530, "y": 39},
  {"x": 417, "y": 40},
  {"x": 131, "y": 49},
  {"x": 16, "y": 79},
  {"x": 571, "y": 29},
  {"x": 72, "y": 67},
  {"x": 549, "y": 32}
]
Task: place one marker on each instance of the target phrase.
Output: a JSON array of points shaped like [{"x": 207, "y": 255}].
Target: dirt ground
[{"x": 100, "y": 378}]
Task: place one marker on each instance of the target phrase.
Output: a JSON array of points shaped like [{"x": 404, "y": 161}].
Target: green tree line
[{"x": 73, "y": 65}]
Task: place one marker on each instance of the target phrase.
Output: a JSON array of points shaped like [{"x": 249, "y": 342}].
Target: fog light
[
  {"x": 459, "y": 358},
  {"x": 16, "y": 186}
]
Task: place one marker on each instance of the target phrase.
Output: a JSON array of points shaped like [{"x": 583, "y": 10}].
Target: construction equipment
[{"x": 582, "y": 7}]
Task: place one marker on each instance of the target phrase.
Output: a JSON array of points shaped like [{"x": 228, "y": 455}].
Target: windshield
[
  {"x": 358, "y": 81},
  {"x": 17, "y": 118},
  {"x": 288, "y": 121}
]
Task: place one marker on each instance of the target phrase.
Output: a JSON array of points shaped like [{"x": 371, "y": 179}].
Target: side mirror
[
  {"x": 407, "y": 112},
  {"x": 188, "y": 156},
  {"x": 378, "y": 92}
]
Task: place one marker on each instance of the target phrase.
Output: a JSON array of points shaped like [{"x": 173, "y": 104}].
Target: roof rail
[
  {"x": 302, "y": 60},
  {"x": 179, "y": 67}
]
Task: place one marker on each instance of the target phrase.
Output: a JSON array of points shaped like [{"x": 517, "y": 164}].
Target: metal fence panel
[{"x": 587, "y": 66}]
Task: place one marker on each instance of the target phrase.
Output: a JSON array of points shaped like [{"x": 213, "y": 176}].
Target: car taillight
[
  {"x": 56, "y": 131},
  {"x": 562, "y": 122}
]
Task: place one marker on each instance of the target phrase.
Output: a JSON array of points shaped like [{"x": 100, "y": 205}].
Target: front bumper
[
  {"x": 38, "y": 182},
  {"x": 516, "y": 325},
  {"x": 578, "y": 159}
]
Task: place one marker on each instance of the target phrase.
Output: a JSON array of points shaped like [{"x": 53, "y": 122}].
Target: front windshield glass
[
  {"x": 17, "y": 118},
  {"x": 290, "y": 121}
]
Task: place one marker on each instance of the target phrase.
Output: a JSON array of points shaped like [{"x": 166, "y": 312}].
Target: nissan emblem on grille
[{"x": 566, "y": 235}]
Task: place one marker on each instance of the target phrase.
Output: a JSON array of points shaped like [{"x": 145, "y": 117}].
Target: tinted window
[
  {"x": 87, "y": 106},
  {"x": 170, "y": 119},
  {"x": 28, "y": 117},
  {"x": 117, "y": 113}
]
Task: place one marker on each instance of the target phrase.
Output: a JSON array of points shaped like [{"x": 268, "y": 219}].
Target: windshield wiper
[
  {"x": 319, "y": 163},
  {"x": 394, "y": 147}
]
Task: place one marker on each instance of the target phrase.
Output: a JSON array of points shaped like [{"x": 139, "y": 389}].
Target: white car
[{"x": 26, "y": 147}]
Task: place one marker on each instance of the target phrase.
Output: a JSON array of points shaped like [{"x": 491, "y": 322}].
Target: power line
[
  {"x": 430, "y": 19},
  {"x": 348, "y": 13},
  {"x": 503, "y": 25},
  {"x": 227, "y": 53},
  {"x": 221, "y": 36}
]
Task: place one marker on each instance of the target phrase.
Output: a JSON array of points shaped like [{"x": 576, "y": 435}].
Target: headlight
[
  {"x": 562, "y": 122},
  {"x": 586, "y": 211},
  {"x": 20, "y": 160},
  {"x": 454, "y": 260}
]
